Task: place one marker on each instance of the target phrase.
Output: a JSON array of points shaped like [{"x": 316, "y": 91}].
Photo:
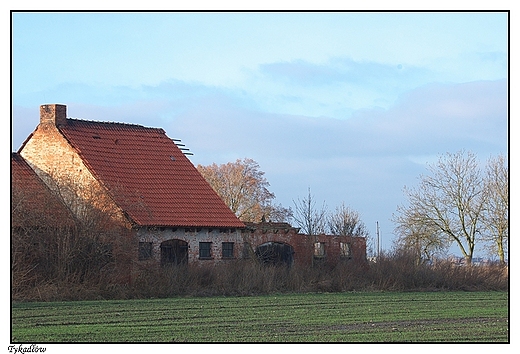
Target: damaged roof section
[{"x": 147, "y": 175}]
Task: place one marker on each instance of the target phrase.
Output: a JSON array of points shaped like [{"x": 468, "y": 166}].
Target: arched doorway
[
  {"x": 174, "y": 252},
  {"x": 275, "y": 253}
]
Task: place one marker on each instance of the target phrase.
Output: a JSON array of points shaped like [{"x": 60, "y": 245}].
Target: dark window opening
[
  {"x": 275, "y": 253},
  {"x": 174, "y": 252},
  {"x": 145, "y": 250},
  {"x": 227, "y": 249},
  {"x": 205, "y": 250}
]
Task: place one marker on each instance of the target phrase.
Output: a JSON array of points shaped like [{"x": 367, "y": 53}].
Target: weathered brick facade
[
  {"x": 193, "y": 238},
  {"x": 304, "y": 246},
  {"x": 60, "y": 166},
  {"x": 246, "y": 243}
]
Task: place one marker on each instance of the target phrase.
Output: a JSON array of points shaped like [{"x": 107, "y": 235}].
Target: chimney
[{"x": 55, "y": 114}]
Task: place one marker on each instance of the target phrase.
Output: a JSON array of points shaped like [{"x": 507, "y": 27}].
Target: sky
[{"x": 351, "y": 105}]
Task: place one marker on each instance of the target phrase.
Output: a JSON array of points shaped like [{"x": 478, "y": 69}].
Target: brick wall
[
  {"x": 61, "y": 168},
  {"x": 255, "y": 235},
  {"x": 303, "y": 245},
  {"x": 193, "y": 237}
]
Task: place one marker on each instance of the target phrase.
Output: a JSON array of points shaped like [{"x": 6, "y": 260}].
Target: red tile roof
[{"x": 148, "y": 176}]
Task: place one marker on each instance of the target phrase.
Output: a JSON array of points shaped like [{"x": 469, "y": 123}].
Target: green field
[{"x": 332, "y": 317}]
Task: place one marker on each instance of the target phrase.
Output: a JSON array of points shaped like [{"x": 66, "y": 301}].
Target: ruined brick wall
[
  {"x": 304, "y": 245},
  {"x": 263, "y": 233},
  {"x": 354, "y": 248}
]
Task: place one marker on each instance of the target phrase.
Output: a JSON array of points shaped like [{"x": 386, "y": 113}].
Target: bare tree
[
  {"x": 103, "y": 238},
  {"x": 347, "y": 222},
  {"x": 244, "y": 189},
  {"x": 37, "y": 219},
  {"x": 496, "y": 214},
  {"x": 310, "y": 219},
  {"x": 277, "y": 213},
  {"x": 59, "y": 236},
  {"x": 420, "y": 240},
  {"x": 448, "y": 202}
]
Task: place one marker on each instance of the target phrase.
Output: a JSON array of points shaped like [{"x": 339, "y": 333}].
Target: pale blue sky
[
  {"x": 372, "y": 57},
  {"x": 349, "y": 104}
]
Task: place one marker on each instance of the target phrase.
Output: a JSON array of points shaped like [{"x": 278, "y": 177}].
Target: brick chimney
[{"x": 55, "y": 114}]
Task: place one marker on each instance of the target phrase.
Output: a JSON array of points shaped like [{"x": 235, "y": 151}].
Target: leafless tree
[
  {"x": 449, "y": 202},
  {"x": 496, "y": 214},
  {"x": 35, "y": 219},
  {"x": 244, "y": 189},
  {"x": 58, "y": 238},
  {"x": 310, "y": 219},
  {"x": 421, "y": 240},
  {"x": 347, "y": 222}
]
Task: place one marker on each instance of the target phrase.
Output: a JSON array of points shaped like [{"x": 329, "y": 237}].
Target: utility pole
[
  {"x": 380, "y": 241},
  {"x": 378, "y": 246}
]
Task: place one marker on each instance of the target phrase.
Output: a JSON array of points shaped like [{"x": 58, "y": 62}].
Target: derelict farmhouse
[{"x": 150, "y": 187}]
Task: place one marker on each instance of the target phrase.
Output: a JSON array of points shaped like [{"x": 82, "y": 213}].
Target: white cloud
[
  {"x": 427, "y": 120},
  {"x": 363, "y": 161}
]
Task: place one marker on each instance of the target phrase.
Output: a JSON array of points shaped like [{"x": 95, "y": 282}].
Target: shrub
[{"x": 244, "y": 278}]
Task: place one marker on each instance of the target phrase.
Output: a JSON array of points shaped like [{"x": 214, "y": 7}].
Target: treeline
[
  {"x": 57, "y": 257},
  {"x": 458, "y": 201}
]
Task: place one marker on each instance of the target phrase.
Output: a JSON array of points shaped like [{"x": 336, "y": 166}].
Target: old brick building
[
  {"x": 145, "y": 182},
  {"x": 282, "y": 243}
]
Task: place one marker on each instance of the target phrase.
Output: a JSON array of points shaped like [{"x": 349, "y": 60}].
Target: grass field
[{"x": 424, "y": 317}]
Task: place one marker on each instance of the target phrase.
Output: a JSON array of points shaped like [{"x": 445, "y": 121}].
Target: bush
[
  {"x": 401, "y": 272},
  {"x": 245, "y": 278}
]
